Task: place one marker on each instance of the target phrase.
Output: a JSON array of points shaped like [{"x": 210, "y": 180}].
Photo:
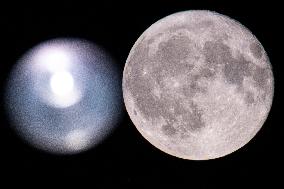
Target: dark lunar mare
[{"x": 166, "y": 62}]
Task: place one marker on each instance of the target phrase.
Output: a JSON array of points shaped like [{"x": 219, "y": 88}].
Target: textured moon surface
[
  {"x": 198, "y": 85},
  {"x": 64, "y": 96}
]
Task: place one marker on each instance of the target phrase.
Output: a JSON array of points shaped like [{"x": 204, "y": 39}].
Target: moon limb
[{"x": 194, "y": 82}]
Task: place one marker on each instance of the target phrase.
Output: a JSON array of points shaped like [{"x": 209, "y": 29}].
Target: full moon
[
  {"x": 198, "y": 85},
  {"x": 64, "y": 96}
]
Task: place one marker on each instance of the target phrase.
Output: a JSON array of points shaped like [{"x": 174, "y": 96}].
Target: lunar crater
[{"x": 256, "y": 50}]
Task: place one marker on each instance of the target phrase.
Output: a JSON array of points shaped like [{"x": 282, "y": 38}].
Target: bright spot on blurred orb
[
  {"x": 54, "y": 59},
  {"x": 62, "y": 83},
  {"x": 64, "y": 96},
  {"x": 77, "y": 139}
]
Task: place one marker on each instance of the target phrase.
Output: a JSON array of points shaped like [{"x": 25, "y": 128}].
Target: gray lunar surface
[{"x": 198, "y": 85}]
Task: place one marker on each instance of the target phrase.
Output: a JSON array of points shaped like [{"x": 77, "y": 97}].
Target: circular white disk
[
  {"x": 64, "y": 96},
  {"x": 61, "y": 83},
  {"x": 198, "y": 85}
]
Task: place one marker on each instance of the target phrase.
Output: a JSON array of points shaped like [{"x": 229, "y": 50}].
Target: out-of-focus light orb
[{"x": 64, "y": 96}]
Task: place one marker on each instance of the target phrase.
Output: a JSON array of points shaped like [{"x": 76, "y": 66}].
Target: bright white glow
[
  {"x": 56, "y": 61},
  {"x": 62, "y": 83},
  {"x": 53, "y": 59},
  {"x": 76, "y": 139},
  {"x": 64, "y": 91}
]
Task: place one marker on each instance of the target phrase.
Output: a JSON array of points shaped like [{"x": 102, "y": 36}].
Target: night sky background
[{"x": 125, "y": 158}]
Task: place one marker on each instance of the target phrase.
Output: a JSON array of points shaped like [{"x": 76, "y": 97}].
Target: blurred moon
[
  {"x": 64, "y": 96},
  {"x": 198, "y": 85}
]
